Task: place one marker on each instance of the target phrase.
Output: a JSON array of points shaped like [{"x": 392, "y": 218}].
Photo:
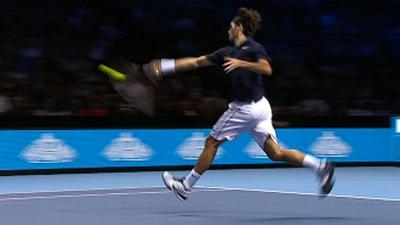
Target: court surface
[{"x": 363, "y": 195}]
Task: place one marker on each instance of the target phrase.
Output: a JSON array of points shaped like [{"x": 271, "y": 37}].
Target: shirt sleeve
[
  {"x": 218, "y": 56},
  {"x": 262, "y": 54}
]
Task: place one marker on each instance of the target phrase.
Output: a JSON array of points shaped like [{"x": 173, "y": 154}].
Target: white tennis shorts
[{"x": 254, "y": 117}]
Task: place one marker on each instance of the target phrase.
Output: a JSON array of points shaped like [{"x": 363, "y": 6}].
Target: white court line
[
  {"x": 80, "y": 195},
  {"x": 90, "y": 195},
  {"x": 78, "y": 190},
  {"x": 205, "y": 189},
  {"x": 303, "y": 193}
]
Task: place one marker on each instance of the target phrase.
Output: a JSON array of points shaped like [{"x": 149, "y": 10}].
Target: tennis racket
[{"x": 128, "y": 81}]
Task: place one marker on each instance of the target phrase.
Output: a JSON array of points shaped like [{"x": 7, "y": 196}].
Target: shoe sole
[{"x": 179, "y": 196}]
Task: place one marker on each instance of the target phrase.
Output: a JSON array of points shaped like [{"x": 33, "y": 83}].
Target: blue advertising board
[
  {"x": 63, "y": 149},
  {"x": 395, "y": 142}
]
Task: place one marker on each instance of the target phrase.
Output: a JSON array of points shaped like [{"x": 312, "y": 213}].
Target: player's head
[{"x": 246, "y": 22}]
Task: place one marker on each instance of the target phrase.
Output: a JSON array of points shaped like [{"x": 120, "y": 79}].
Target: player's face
[{"x": 233, "y": 31}]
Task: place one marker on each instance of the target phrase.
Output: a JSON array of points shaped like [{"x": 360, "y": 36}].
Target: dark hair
[{"x": 250, "y": 19}]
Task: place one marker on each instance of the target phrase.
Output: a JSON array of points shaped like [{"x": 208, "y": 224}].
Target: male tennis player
[{"x": 245, "y": 62}]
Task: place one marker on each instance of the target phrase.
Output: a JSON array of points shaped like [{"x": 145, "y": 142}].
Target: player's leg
[
  {"x": 234, "y": 121},
  {"x": 207, "y": 155},
  {"x": 264, "y": 134},
  {"x": 292, "y": 156},
  {"x": 323, "y": 169},
  {"x": 183, "y": 186}
]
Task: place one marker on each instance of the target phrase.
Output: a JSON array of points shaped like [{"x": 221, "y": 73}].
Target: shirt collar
[{"x": 248, "y": 40}]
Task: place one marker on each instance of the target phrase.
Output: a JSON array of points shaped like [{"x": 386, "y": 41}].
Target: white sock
[
  {"x": 313, "y": 163},
  {"x": 191, "y": 179}
]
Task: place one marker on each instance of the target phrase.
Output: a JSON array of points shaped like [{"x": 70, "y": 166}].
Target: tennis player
[{"x": 245, "y": 62}]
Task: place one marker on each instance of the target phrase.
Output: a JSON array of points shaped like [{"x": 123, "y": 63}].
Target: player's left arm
[{"x": 260, "y": 66}]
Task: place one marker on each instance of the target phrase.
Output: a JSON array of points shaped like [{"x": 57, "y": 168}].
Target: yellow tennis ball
[{"x": 111, "y": 72}]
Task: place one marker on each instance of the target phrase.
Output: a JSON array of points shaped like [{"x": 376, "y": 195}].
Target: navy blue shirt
[{"x": 246, "y": 85}]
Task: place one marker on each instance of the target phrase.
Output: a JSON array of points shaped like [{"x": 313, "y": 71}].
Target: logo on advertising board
[
  {"x": 192, "y": 147},
  {"x": 127, "y": 148},
  {"x": 48, "y": 149},
  {"x": 256, "y": 152},
  {"x": 330, "y": 145}
]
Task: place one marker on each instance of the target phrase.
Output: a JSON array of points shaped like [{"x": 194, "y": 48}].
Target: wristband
[{"x": 167, "y": 66}]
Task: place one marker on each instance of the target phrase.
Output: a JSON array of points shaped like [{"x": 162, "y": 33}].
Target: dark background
[{"x": 336, "y": 63}]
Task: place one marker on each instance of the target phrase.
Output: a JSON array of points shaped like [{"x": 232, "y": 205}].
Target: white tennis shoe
[
  {"x": 175, "y": 185},
  {"x": 327, "y": 178}
]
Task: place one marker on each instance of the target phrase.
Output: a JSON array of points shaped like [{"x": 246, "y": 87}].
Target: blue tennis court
[{"x": 363, "y": 195}]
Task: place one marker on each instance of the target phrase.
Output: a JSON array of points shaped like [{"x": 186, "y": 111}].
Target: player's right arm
[
  {"x": 191, "y": 63},
  {"x": 158, "y": 68}
]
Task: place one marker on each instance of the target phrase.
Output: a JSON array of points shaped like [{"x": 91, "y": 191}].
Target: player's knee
[
  {"x": 212, "y": 143},
  {"x": 275, "y": 154},
  {"x": 273, "y": 151}
]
